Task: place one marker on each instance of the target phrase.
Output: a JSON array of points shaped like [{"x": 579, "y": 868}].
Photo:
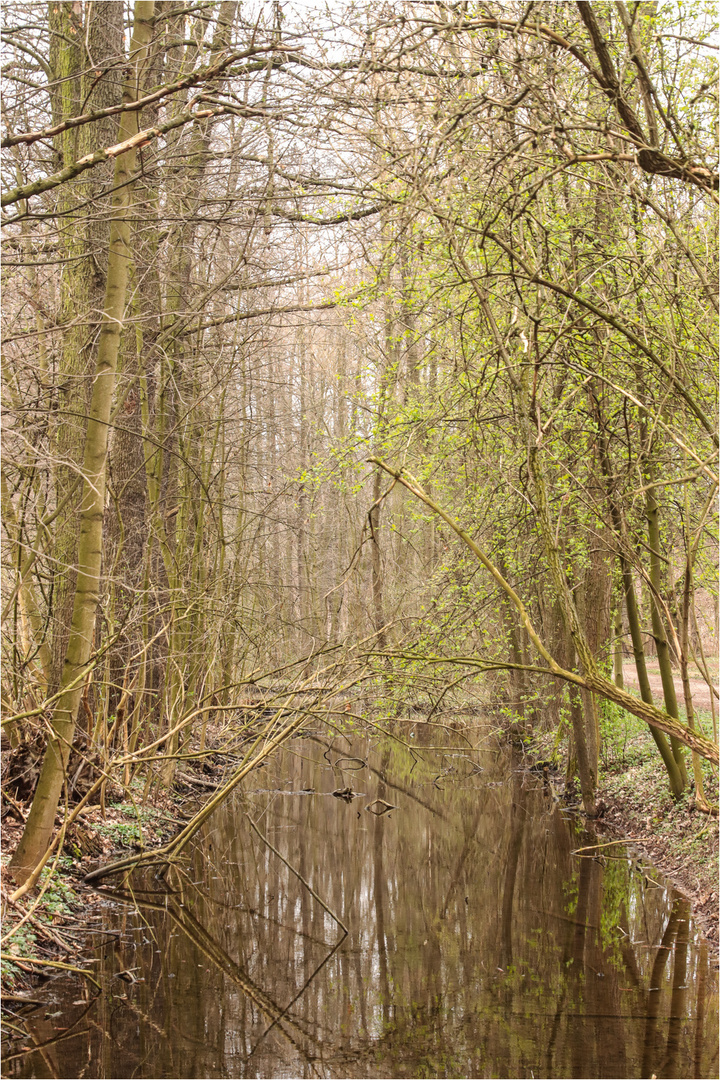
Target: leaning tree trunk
[
  {"x": 675, "y": 777},
  {"x": 39, "y": 826}
]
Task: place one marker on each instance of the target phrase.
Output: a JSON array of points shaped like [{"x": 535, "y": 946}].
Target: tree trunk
[
  {"x": 83, "y": 241},
  {"x": 39, "y": 826},
  {"x": 677, "y": 784},
  {"x": 675, "y": 778},
  {"x": 618, "y": 641},
  {"x": 658, "y": 628}
]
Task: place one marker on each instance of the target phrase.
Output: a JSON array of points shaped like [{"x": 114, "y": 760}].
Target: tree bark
[
  {"x": 658, "y": 628},
  {"x": 39, "y": 826}
]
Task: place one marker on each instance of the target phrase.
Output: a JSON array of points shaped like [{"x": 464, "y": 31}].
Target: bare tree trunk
[
  {"x": 39, "y": 826},
  {"x": 83, "y": 241},
  {"x": 658, "y": 628},
  {"x": 618, "y": 641}
]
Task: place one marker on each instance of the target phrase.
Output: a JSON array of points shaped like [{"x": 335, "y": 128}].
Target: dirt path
[{"x": 700, "y": 689}]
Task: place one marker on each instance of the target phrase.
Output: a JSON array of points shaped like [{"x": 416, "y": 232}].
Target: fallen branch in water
[
  {"x": 35, "y": 961},
  {"x": 170, "y": 851}
]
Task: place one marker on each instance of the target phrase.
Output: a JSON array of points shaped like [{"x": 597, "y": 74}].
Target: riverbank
[
  {"x": 635, "y": 804},
  {"x": 47, "y": 927},
  {"x": 681, "y": 842}
]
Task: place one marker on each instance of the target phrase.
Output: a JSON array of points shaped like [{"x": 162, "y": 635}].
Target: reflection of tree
[
  {"x": 626, "y": 952},
  {"x": 700, "y": 1008},
  {"x": 609, "y": 1023},
  {"x": 593, "y": 1019},
  {"x": 196, "y": 933},
  {"x": 518, "y": 816},
  {"x": 414, "y": 991},
  {"x": 679, "y": 996},
  {"x": 379, "y": 890},
  {"x": 652, "y": 1008},
  {"x": 577, "y": 971}
]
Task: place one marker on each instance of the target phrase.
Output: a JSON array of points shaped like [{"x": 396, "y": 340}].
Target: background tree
[{"x": 475, "y": 244}]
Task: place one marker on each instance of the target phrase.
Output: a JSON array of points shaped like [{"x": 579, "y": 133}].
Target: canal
[{"x": 368, "y": 909}]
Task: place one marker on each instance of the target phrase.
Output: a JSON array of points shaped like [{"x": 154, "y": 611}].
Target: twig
[
  {"x": 37, "y": 962},
  {"x": 611, "y": 843},
  {"x": 196, "y": 781}
]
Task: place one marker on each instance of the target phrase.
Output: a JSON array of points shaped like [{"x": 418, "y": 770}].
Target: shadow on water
[{"x": 479, "y": 942}]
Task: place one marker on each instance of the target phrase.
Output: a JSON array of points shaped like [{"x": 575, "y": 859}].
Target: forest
[{"x": 360, "y": 381}]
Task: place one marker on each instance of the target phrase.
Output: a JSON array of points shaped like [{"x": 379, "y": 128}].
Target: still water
[{"x": 478, "y": 944}]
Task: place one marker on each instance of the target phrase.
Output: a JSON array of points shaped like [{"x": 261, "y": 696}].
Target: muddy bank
[{"x": 681, "y": 842}]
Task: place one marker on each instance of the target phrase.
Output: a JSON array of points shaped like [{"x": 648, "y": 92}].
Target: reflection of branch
[
  {"x": 396, "y": 787},
  {"x": 299, "y": 876},
  {"x": 470, "y": 839},
  {"x": 206, "y": 944},
  {"x": 299, "y": 994},
  {"x": 40, "y": 1048}
]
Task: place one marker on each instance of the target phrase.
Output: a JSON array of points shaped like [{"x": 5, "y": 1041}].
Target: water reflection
[{"x": 478, "y": 944}]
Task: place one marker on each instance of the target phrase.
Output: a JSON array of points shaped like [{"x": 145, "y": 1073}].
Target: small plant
[
  {"x": 9, "y": 973},
  {"x": 20, "y": 943},
  {"x": 59, "y": 898},
  {"x": 120, "y": 832}
]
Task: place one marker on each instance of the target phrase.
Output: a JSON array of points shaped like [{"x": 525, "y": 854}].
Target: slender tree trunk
[
  {"x": 83, "y": 241},
  {"x": 618, "y": 641},
  {"x": 40, "y": 822},
  {"x": 677, "y": 784},
  {"x": 579, "y": 646},
  {"x": 377, "y": 574},
  {"x": 659, "y": 635},
  {"x": 127, "y": 524},
  {"x": 675, "y": 777}
]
